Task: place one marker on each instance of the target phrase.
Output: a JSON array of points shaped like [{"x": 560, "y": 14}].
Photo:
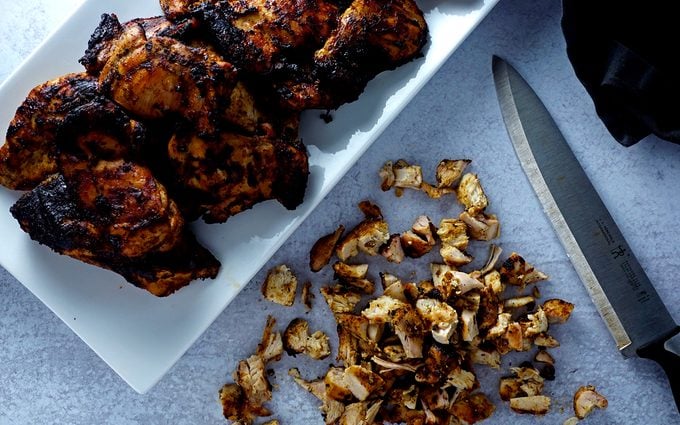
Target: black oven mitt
[{"x": 626, "y": 56}]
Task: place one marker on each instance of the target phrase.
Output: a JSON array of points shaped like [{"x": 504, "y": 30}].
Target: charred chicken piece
[
  {"x": 115, "y": 215},
  {"x": 260, "y": 35},
  {"x": 160, "y": 77},
  {"x": 29, "y": 153},
  {"x": 373, "y": 36},
  {"x": 110, "y": 29},
  {"x": 233, "y": 172}
]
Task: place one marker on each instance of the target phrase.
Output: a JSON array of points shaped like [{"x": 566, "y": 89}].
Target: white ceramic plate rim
[{"x": 140, "y": 336}]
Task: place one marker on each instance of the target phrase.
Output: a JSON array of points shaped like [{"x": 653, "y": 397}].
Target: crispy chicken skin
[
  {"x": 114, "y": 214},
  {"x": 29, "y": 152},
  {"x": 160, "y": 77},
  {"x": 233, "y": 172}
]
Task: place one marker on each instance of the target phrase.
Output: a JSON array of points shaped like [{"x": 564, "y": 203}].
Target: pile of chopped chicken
[{"x": 407, "y": 350}]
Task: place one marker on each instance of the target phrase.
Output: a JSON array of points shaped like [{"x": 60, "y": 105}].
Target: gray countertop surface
[{"x": 49, "y": 376}]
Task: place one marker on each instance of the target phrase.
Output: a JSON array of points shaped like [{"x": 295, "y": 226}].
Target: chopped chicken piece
[
  {"x": 297, "y": 340},
  {"x": 362, "y": 382},
  {"x": 354, "y": 275},
  {"x": 454, "y": 256},
  {"x": 323, "y": 249},
  {"x": 531, "y": 382},
  {"x": 471, "y": 194},
  {"x": 251, "y": 376},
  {"x": 233, "y": 404},
  {"x": 501, "y": 326},
  {"x": 536, "y": 404},
  {"x": 513, "y": 335},
  {"x": 406, "y": 175},
  {"x": 389, "y": 366},
  {"x": 516, "y": 271},
  {"x": 450, "y": 170},
  {"x": 271, "y": 346},
  {"x": 424, "y": 228},
  {"x": 588, "y": 399},
  {"x": 546, "y": 341},
  {"x": 395, "y": 353},
  {"x": 244, "y": 400},
  {"x": 489, "y": 358},
  {"x": 494, "y": 254},
  {"x": 538, "y": 323},
  {"x": 370, "y": 210},
  {"x": 571, "y": 421},
  {"x": 461, "y": 379},
  {"x": 544, "y": 357},
  {"x": 355, "y": 324},
  {"x": 441, "y": 318},
  {"x": 519, "y": 302},
  {"x": 558, "y": 311},
  {"x": 414, "y": 246},
  {"x": 332, "y": 409},
  {"x": 367, "y": 237},
  {"x": 348, "y": 347},
  {"x": 383, "y": 309},
  {"x": 492, "y": 280},
  {"x": 392, "y": 250},
  {"x": 435, "y": 192},
  {"x": 306, "y": 295},
  {"x": 469, "y": 329},
  {"x": 360, "y": 414},
  {"x": 453, "y": 231},
  {"x": 473, "y": 408},
  {"x": 410, "y": 329},
  {"x": 337, "y": 386},
  {"x": 480, "y": 226},
  {"x": 340, "y": 299},
  {"x": 387, "y": 177},
  {"x": 280, "y": 286}
]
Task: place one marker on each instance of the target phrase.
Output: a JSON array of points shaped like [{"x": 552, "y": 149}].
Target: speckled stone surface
[{"x": 49, "y": 376}]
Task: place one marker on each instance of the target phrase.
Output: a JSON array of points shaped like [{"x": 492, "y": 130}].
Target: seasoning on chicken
[
  {"x": 280, "y": 286},
  {"x": 160, "y": 77},
  {"x": 29, "y": 153},
  {"x": 243, "y": 401},
  {"x": 230, "y": 173},
  {"x": 323, "y": 249},
  {"x": 114, "y": 214},
  {"x": 587, "y": 399},
  {"x": 297, "y": 340}
]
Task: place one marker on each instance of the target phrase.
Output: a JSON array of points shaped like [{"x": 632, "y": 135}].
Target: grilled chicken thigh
[
  {"x": 29, "y": 152},
  {"x": 232, "y": 173},
  {"x": 114, "y": 214},
  {"x": 160, "y": 77},
  {"x": 261, "y": 35}
]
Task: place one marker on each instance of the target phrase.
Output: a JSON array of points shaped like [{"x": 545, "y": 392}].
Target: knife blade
[{"x": 621, "y": 291}]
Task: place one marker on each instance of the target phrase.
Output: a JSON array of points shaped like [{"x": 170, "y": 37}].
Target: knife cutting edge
[{"x": 621, "y": 291}]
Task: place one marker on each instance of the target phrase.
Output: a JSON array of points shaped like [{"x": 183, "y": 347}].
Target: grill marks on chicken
[
  {"x": 234, "y": 172},
  {"x": 260, "y": 35},
  {"x": 206, "y": 100},
  {"x": 309, "y": 53},
  {"x": 159, "y": 77},
  {"x": 115, "y": 215},
  {"x": 32, "y": 132}
]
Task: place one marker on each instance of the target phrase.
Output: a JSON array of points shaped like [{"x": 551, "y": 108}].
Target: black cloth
[{"x": 627, "y": 56}]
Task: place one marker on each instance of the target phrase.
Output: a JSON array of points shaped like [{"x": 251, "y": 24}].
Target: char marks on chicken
[
  {"x": 191, "y": 114},
  {"x": 115, "y": 215}
]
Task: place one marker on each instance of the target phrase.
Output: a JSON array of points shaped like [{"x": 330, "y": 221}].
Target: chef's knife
[{"x": 625, "y": 298}]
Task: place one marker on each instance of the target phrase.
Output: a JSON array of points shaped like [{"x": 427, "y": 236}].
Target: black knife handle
[{"x": 666, "y": 352}]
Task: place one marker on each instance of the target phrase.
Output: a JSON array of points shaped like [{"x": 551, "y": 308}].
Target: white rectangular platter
[{"x": 141, "y": 336}]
